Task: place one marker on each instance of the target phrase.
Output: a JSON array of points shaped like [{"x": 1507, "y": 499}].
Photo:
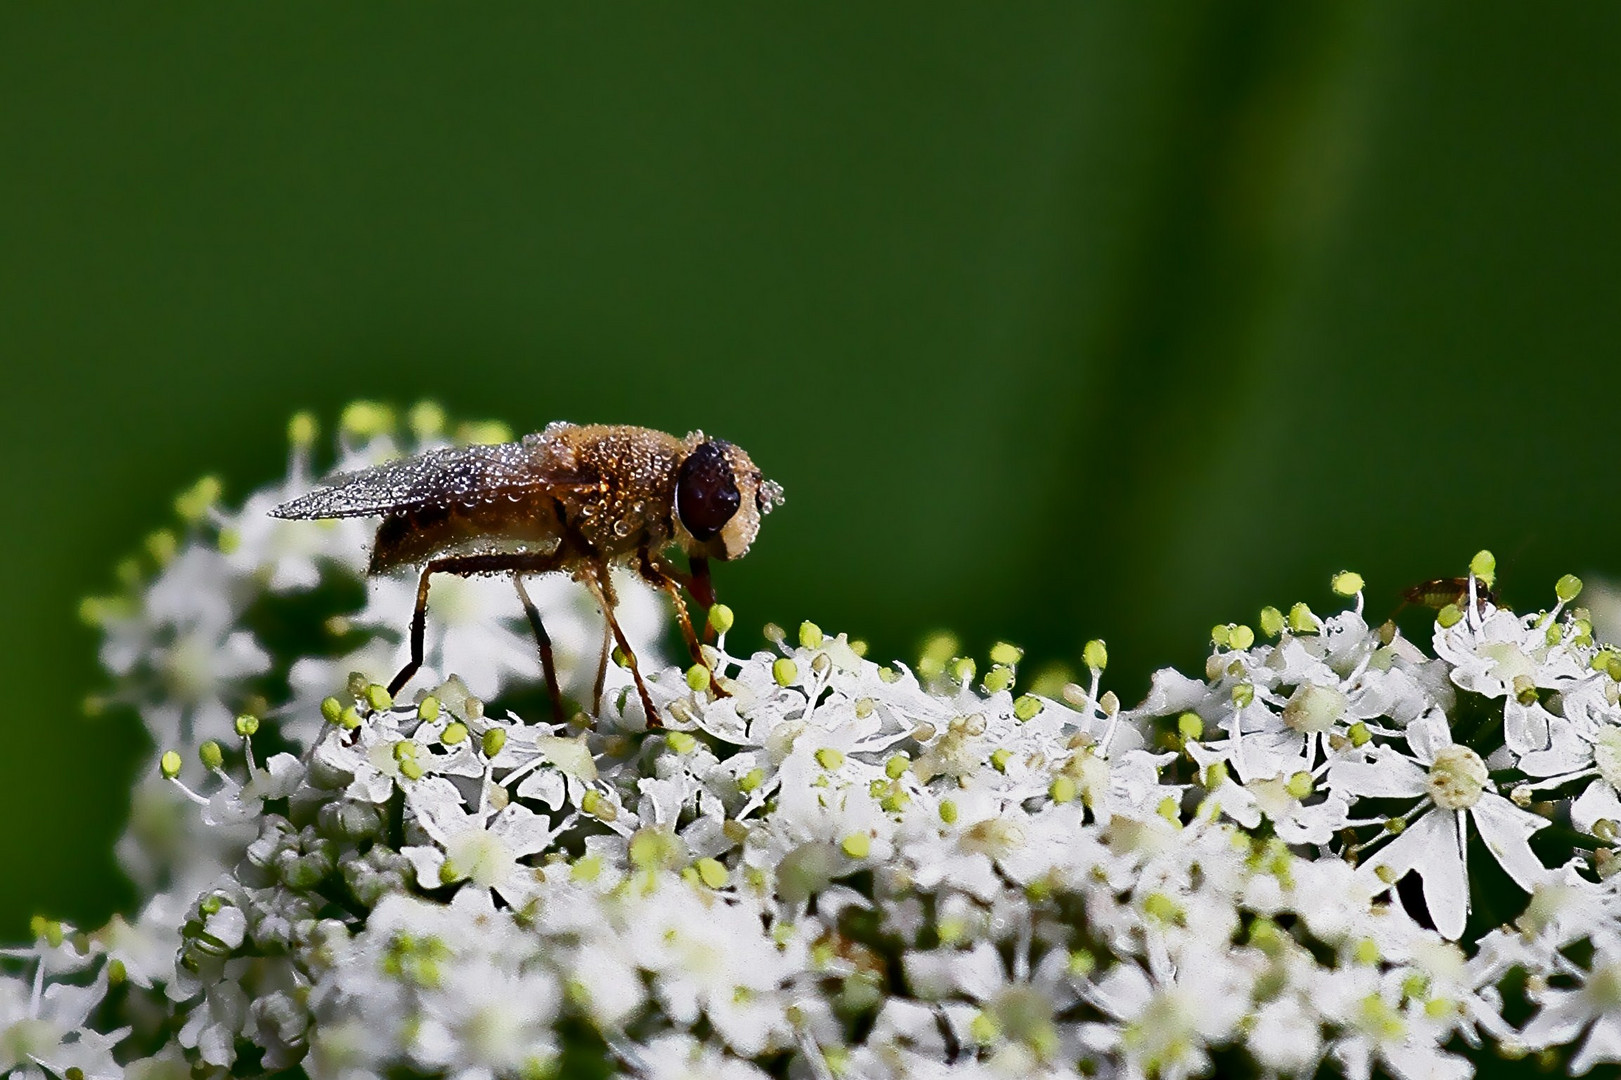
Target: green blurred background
[{"x": 1055, "y": 322}]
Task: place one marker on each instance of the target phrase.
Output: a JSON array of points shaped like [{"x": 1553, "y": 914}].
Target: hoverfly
[
  {"x": 574, "y": 499},
  {"x": 1437, "y": 593}
]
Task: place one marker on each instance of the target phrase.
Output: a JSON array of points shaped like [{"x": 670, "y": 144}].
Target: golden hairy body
[
  {"x": 572, "y": 499},
  {"x": 602, "y": 490}
]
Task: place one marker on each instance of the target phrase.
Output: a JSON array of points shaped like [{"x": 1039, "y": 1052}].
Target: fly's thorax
[{"x": 631, "y": 505}]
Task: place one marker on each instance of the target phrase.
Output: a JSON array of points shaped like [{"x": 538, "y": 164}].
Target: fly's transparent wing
[{"x": 464, "y": 475}]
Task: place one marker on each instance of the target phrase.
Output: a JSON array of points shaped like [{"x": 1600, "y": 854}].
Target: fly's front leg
[
  {"x": 656, "y": 573},
  {"x": 670, "y": 580}
]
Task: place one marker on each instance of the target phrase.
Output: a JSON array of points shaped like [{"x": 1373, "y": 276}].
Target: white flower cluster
[{"x": 1334, "y": 852}]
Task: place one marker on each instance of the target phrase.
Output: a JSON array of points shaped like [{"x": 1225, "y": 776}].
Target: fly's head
[{"x": 719, "y": 499}]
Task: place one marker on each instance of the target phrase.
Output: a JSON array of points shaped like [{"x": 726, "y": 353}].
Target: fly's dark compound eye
[{"x": 706, "y": 494}]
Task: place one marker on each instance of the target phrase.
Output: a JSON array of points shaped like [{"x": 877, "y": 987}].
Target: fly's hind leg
[
  {"x": 462, "y": 566},
  {"x": 596, "y": 579},
  {"x": 543, "y": 640},
  {"x": 602, "y": 668}
]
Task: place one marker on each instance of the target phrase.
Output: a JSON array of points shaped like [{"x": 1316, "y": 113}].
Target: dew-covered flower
[{"x": 820, "y": 866}]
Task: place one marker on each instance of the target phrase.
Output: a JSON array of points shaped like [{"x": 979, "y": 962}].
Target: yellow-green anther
[
  {"x": 896, "y": 766},
  {"x": 229, "y": 540},
  {"x": 1095, "y": 655},
  {"x": 1299, "y": 785},
  {"x": 962, "y": 670},
  {"x": 1395, "y": 826},
  {"x": 427, "y": 419},
  {"x": 619, "y": 657},
  {"x": 652, "y": 847},
  {"x": 455, "y": 732},
  {"x": 830, "y": 758},
  {"x": 1449, "y": 616},
  {"x": 1584, "y": 631},
  {"x": 997, "y": 679},
  {"x": 948, "y": 811},
  {"x": 810, "y": 635},
  {"x": 1027, "y": 707},
  {"x": 1271, "y": 621},
  {"x": 1243, "y": 694},
  {"x": 1081, "y": 963},
  {"x": 1062, "y": 789},
  {"x": 162, "y": 546},
  {"x": 169, "y": 764},
  {"x": 1567, "y": 588},
  {"x": 937, "y": 651},
  {"x": 712, "y": 872},
  {"x": 1220, "y": 634},
  {"x": 773, "y": 633},
  {"x": 1439, "y": 1008},
  {"x": 594, "y": 803},
  {"x": 680, "y": 741},
  {"x": 858, "y": 647},
  {"x": 587, "y": 868},
  {"x": 194, "y": 503},
  {"x": 857, "y": 845},
  {"x": 864, "y": 707},
  {"x": 367, "y": 418},
  {"x": 1301, "y": 619},
  {"x": 1367, "y": 952},
  {"x": 1003, "y": 653},
  {"x": 697, "y": 678},
  {"x": 1612, "y": 666},
  {"x": 1525, "y": 689},
  {"x": 211, "y": 755},
  {"x": 1169, "y": 809},
  {"x": 983, "y": 1029},
  {"x": 1484, "y": 567},
  {"x": 378, "y": 698},
  {"x": 1215, "y": 774},
  {"x": 349, "y": 718},
  {"x": 448, "y": 874},
  {"x": 1157, "y": 905},
  {"x": 784, "y": 671},
  {"x": 483, "y": 433},
  {"x": 1360, "y": 734},
  {"x": 999, "y": 759},
  {"x": 721, "y": 618},
  {"x": 428, "y": 708},
  {"x": 406, "y": 750},
  {"x": 331, "y": 709},
  {"x": 247, "y": 725},
  {"x": 1346, "y": 583},
  {"x": 117, "y": 973},
  {"x": 494, "y": 739},
  {"x": 302, "y": 429},
  {"x": 1241, "y": 637},
  {"x": 751, "y": 780},
  {"x": 1190, "y": 725}
]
